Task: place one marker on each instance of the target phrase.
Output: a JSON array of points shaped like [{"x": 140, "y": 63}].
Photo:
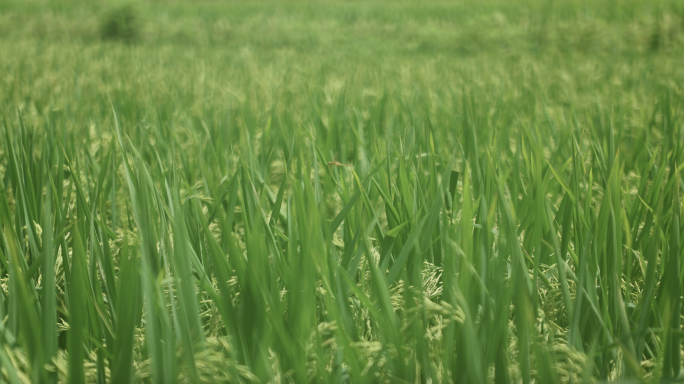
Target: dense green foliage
[{"x": 466, "y": 192}]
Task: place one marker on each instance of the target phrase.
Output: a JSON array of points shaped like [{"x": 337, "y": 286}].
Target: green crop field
[{"x": 341, "y": 191}]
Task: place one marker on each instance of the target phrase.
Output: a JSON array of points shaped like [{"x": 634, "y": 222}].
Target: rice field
[{"x": 341, "y": 192}]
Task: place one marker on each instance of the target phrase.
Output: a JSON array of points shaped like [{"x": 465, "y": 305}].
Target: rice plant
[{"x": 251, "y": 201}]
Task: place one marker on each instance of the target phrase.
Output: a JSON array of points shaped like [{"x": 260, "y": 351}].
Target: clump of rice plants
[
  {"x": 345, "y": 213},
  {"x": 121, "y": 24}
]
